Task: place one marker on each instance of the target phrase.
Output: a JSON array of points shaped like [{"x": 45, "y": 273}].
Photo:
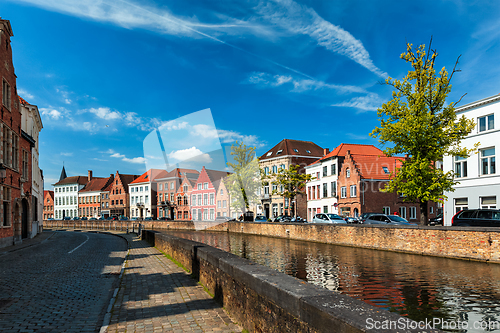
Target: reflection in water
[{"x": 419, "y": 287}]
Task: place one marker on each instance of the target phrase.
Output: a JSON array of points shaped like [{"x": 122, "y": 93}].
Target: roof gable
[
  {"x": 288, "y": 147},
  {"x": 149, "y": 176}
]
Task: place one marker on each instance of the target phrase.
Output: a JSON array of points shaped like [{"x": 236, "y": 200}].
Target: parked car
[
  {"x": 92, "y": 219},
  {"x": 327, "y": 218},
  {"x": 298, "y": 219},
  {"x": 438, "y": 220},
  {"x": 148, "y": 219},
  {"x": 223, "y": 218},
  {"x": 75, "y": 218},
  {"x": 50, "y": 219},
  {"x": 163, "y": 218},
  {"x": 123, "y": 218},
  {"x": 387, "y": 219},
  {"x": 350, "y": 219},
  {"x": 83, "y": 218},
  {"x": 364, "y": 216},
  {"x": 477, "y": 218},
  {"x": 281, "y": 217},
  {"x": 67, "y": 218},
  {"x": 260, "y": 218},
  {"x": 133, "y": 219}
]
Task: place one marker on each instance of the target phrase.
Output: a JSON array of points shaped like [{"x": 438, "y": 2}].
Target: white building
[
  {"x": 66, "y": 195},
  {"x": 31, "y": 125},
  {"x": 143, "y": 194},
  {"x": 322, "y": 191},
  {"x": 478, "y": 177}
]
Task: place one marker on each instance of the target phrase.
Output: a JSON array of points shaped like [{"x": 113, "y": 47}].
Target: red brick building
[
  {"x": 89, "y": 197},
  {"x": 48, "y": 205},
  {"x": 119, "y": 202},
  {"x": 15, "y": 153},
  {"x": 359, "y": 182},
  {"x": 167, "y": 188},
  {"x": 203, "y": 205}
]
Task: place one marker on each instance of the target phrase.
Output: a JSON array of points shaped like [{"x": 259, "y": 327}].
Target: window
[
  {"x": 205, "y": 199},
  {"x": 185, "y": 189},
  {"x": 15, "y": 156},
  {"x": 386, "y": 170},
  {"x": 121, "y": 201},
  {"x": 334, "y": 169},
  {"x": 325, "y": 209},
  {"x": 275, "y": 188},
  {"x": 185, "y": 200},
  {"x": 333, "y": 186},
  {"x": 219, "y": 205},
  {"x": 460, "y": 167},
  {"x": 193, "y": 199},
  {"x": 325, "y": 190},
  {"x": 205, "y": 186},
  {"x": 146, "y": 188},
  {"x": 179, "y": 200},
  {"x": 6, "y": 95},
  {"x": 402, "y": 212},
  {"x": 269, "y": 154},
  {"x": 160, "y": 186},
  {"x": 347, "y": 172},
  {"x": 172, "y": 185},
  {"x": 487, "y": 161},
  {"x": 386, "y": 210},
  {"x": 5, "y": 145},
  {"x": 275, "y": 169},
  {"x": 295, "y": 150},
  {"x": 140, "y": 189},
  {"x": 489, "y": 202},
  {"x": 224, "y": 204},
  {"x": 266, "y": 170},
  {"x": 212, "y": 199},
  {"x": 112, "y": 202},
  {"x": 200, "y": 203},
  {"x": 353, "y": 191},
  {"x": 317, "y": 176},
  {"x": 282, "y": 166},
  {"x": 199, "y": 186},
  {"x": 486, "y": 123},
  {"x": 431, "y": 210},
  {"x": 279, "y": 151},
  {"x": 172, "y": 197},
  {"x": 131, "y": 191},
  {"x": 325, "y": 171},
  {"x": 461, "y": 204},
  {"x": 6, "y": 207},
  {"x": 343, "y": 192},
  {"x": 212, "y": 215},
  {"x": 205, "y": 214}
]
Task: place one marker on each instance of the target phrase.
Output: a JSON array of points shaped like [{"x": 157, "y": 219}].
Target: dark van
[{"x": 477, "y": 218}]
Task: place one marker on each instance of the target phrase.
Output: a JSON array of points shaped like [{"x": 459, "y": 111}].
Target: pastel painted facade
[
  {"x": 477, "y": 176},
  {"x": 203, "y": 205}
]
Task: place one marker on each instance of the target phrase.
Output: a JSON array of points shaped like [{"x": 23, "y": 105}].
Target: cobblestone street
[
  {"x": 65, "y": 281},
  {"x": 62, "y": 284}
]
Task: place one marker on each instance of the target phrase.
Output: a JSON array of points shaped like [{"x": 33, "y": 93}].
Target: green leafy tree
[
  {"x": 244, "y": 182},
  {"x": 418, "y": 123},
  {"x": 289, "y": 183}
]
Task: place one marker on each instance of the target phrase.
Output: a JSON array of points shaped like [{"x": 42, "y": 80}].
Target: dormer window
[
  {"x": 269, "y": 154},
  {"x": 295, "y": 150},
  {"x": 279, "y": 151},
  {"x": 386, "y": 170},
  {"x": 308, "y": 151},
  {"x": 347, "y": 172}
]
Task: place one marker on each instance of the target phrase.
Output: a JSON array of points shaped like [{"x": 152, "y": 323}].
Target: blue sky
[{"x": 105, "y": 74}]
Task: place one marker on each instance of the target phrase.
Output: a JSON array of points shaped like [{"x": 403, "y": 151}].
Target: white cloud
[
  {"x": 67, "y": 154},
  {"x": 370, "y": 102},
  {"x": 298, "y": 85},
  {"x": 25, "y": 94},
  {"x": 300, "y": 19},
  {"x": 231, "y": 136},
  {"x": 105, "y": 113},
  {"x": 192, "y": 154},
  {"x": 205, "y": 131},
  {"x": 51, "y": 113},
  {"x": 135, "y": 160}
]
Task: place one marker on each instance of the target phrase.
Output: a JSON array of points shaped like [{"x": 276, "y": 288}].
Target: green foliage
[
  {"x": 289, "y": 182},
  {"x": 418, "y": 123},
  {"x": 244, "y": 182}
]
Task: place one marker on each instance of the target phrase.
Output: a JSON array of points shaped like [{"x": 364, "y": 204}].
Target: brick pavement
[{"x": 156, "y": 295}]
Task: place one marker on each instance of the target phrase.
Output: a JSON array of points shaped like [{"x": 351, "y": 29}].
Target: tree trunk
[{"x": 423, "y": 212}]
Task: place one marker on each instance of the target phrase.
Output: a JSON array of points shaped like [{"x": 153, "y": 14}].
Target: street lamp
[{"x": 3, "y": 173}]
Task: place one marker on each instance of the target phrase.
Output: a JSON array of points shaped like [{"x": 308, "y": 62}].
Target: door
[{"x": 24, "y": 219}]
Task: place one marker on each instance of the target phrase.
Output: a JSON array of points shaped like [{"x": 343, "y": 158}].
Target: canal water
[{"x": 456, "y": 295}]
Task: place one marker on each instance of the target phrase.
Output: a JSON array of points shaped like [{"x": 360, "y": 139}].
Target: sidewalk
[
  {"x": 27, "y": 242},
  {"x": 156, "y": 295}
]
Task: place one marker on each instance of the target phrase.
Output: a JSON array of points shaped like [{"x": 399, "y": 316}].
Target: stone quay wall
[
  {"x": 264, "y": 300},
  {"x": 470, "y": 243}
]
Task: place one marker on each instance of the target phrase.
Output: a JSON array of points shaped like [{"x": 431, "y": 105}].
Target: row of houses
[
  {"x": 21, "y": 180},
  {"x": 183, "y": 194}
]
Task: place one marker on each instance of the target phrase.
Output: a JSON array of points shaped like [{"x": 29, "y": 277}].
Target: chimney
[
  {"x": 89, "y": 178},
  {"x": 326, "y": 151}
]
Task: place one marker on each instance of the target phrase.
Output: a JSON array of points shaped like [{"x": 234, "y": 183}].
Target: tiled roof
[
  {"x": 150, "y": 175},
  {"x": 97, "y": 184},
  {"x": 179, "y": 173},
  {"x": 355, "y": 149},
  {"x": 22, "y": 101},
  {"x": 127, "y": 179},
  {"x": 82, "y": 180},
  {"x": 376, "y": 167},
  {"x": 294, "y": 148}
]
